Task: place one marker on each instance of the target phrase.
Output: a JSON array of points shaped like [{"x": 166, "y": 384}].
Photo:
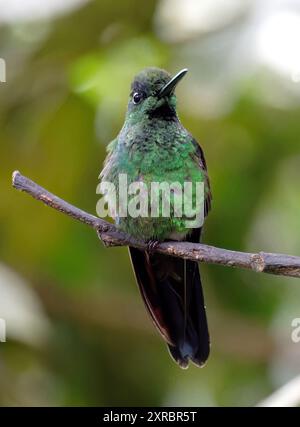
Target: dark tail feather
[{"x": 172, "y": 292}]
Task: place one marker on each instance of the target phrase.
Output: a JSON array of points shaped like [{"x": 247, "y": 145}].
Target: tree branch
[{"x": 280, "y": 264}]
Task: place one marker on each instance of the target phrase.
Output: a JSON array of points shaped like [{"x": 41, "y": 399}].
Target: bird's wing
[
  {"x": 199, "y": 158},
  {"x": 110, "y": 149}
]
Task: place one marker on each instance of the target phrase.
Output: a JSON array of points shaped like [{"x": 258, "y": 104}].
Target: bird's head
[{"x": 152, "y": 94}]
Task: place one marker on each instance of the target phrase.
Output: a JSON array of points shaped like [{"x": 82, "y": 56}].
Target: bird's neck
[{"x": 150, "y": 130}]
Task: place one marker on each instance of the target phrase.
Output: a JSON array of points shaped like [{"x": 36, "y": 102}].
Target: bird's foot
[
  {"x": 103, "y": 234},
  {"x": 151, "y": 246}
]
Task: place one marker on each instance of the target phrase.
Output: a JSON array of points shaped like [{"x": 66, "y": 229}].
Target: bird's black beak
[{"x": 169, "y": 87}]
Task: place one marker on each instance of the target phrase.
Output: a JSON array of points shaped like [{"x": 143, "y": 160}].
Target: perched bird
[{"x": 153, "y": 146}]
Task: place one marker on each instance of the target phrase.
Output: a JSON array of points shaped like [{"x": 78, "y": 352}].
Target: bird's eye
[{"x": 137, "y": 97}]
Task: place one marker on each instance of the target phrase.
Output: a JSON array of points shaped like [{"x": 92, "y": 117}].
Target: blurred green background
[{"x": 77, "y": 331}]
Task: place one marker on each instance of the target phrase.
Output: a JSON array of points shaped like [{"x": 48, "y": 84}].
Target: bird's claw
[{"x": 151, "y": 246}]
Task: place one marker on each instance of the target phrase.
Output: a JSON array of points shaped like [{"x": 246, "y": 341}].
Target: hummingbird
[{"x": 153, "y": 146}]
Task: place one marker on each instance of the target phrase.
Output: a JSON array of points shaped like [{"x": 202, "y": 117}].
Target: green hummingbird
[{"x": 153, "y": 146}]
